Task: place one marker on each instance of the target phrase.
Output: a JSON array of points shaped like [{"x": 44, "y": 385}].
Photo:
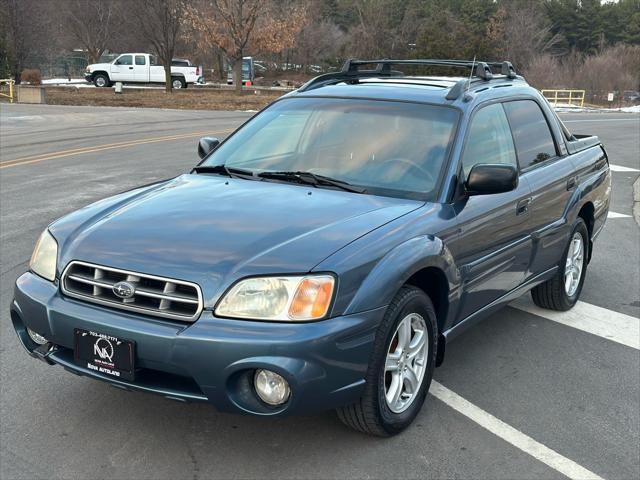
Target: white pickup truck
[{"x": 140, "y": 68}]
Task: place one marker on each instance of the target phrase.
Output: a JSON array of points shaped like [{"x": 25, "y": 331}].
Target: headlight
[
  {"x": 45, "y": 256},
  {"x": 279, "y": 298}
]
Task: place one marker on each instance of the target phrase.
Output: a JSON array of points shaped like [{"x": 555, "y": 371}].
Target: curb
[{"x": 636, "y": 201}]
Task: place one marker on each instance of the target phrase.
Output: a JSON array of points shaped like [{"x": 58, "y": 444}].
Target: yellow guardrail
[
  {"x": 10, "y": 82},
  {"x": 571, "y": 97}
]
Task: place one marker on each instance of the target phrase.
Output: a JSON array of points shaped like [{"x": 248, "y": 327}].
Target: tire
[
  {"x": 554, "y": 294},
  {"x": 178, "y": 83},
  {"x": 373, "y": 414},
  {"x": 101, "y": 80}
]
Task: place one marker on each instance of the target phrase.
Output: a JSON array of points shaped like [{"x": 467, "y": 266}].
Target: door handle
[
  {"x": 571, "y": 183},
  {"x": 523, "y": 206},
  {"x": 130, "y": 68}
]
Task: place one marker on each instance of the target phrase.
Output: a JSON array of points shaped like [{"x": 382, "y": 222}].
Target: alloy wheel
[
  {"x": 574, "y": 264},
  {"x": 406, "y": 362}
]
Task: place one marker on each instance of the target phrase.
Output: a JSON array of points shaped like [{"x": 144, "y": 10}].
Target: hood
[
  {"x": 213, "y": 230},
  {"x": 98, "y": 66}
]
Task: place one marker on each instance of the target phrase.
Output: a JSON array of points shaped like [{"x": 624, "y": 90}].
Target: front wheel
[
  {"x": 400, "y": 369},
  {"x": 101, "y": 80},
  {"x": 563, "y": 290}
]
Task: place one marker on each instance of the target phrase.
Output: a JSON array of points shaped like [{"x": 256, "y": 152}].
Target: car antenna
[
  {"x": 473, "y": 66},
  {"x": 468, "y": 97}
]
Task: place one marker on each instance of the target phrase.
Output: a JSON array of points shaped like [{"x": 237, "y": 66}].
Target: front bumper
[
  {"x": 88, "y": 77},
  {"x": 212, "y": 359}
]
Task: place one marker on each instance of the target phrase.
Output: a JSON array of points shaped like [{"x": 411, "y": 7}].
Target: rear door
[
  {"x": 551, "y": 177},
  {"x": 140, "y": 68},
  {"x": 122, "y": 69},
  {"x": 494, "y": 243}
]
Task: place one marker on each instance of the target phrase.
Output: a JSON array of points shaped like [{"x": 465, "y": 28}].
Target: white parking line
[
  {"x": 599, "y": 321},
  {"x": 509, "y": 434},
  {"x": 620, "y": 168},
  {"x": 617, "y": 215}
]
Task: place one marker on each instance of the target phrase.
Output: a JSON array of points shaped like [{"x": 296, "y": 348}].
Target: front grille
[{"x": 157, "y": 296}]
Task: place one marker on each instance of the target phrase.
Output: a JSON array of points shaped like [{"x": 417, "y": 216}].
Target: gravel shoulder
[{"x": 190, "y": 99}]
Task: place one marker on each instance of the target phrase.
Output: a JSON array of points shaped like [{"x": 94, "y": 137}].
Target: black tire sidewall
[
  {"x": 581, "y": 227},
  {"x": 106, "y": 80},
  {"x": 417, "y": 302}
]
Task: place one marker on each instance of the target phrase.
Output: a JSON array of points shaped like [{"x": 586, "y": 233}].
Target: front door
[
  {"x": 122, "y": 69},
  {"x": 493, "y": 247}
]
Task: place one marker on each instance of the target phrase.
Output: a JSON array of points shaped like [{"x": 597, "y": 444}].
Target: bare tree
[
  {"x": 317, "y": 43},
  {"x": 234, "y": 25},
  {"x": 20, "y": 29},
  {"x": 321, "y": 40},
  {"x": 160, "y": 22},
  {"x": 524, "y": 33},
  {"x": 91, "y": 22}
]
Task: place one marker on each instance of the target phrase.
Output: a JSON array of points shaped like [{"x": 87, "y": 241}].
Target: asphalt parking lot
[{"x": 516, "y": 387}]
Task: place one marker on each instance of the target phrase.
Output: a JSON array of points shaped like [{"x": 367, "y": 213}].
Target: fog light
[
  {"x": 271, "y": 387},
  {"x": 36, "y": 337}
]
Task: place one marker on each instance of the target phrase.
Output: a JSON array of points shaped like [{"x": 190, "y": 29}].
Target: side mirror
[
  {"x": 485, "y": 179},
  {"x": 206, "y": 145}
]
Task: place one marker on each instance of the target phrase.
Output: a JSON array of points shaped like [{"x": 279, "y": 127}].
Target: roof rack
[{"x": 352, "y": 73}]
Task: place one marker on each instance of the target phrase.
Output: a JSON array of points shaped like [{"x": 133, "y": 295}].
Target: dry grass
[{"x": 192, "y": 99}]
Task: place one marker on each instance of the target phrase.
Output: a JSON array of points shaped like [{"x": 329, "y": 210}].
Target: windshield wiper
[
  {"x": 309, "y": 178},
  {"x": 224, "y": 170}
]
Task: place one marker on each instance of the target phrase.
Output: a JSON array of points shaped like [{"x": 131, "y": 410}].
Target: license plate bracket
[{"x": 105, "y": 354}]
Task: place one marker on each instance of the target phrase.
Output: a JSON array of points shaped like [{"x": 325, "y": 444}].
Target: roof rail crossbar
[
  {"x": 483, "y": 71},
  {"x": 351, "y": 71},
  {"x": 508, "y": 70}
]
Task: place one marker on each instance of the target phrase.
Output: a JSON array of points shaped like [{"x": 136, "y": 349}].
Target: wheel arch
[
  {"x": 100, "y": 72},
  {"x": 587, "y": 213},
  {"x": 423, "y": 262},
  {"x": 413, "y": 259},
  {"x": 433, "y": 281}
]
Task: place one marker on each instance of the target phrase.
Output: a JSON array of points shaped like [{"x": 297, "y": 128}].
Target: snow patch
[
  {"x": 63, "y": 81},
  {"x": 568, "y": 108}
]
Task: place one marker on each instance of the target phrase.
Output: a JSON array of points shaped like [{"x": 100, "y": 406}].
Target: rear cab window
[
  {"x": 141, "y": 60},
  {"x": 531, "y": 134}
]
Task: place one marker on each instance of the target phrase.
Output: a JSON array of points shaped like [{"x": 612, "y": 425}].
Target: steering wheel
[{"x": 412, "y": 166}]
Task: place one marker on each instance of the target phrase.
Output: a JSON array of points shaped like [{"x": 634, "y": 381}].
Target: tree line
[{"x": 556, "y": 43}]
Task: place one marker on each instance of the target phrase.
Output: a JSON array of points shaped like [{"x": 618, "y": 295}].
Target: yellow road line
[
  {"x": 79, "y": 151},
  {"x": 73, "y": 150}
]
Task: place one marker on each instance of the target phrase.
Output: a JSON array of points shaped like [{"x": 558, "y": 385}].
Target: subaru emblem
[{"x": 123, "y": 290}]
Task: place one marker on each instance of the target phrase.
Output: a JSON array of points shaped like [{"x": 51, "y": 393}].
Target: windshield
[{"x": 389, "y": 148}]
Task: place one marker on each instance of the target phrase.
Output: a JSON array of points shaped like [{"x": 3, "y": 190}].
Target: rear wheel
[
  {"x": 101, "y": 80},
  {"x": 563, "y": 290},
  {"x": 177, "y": 83},
  {"x": 400, "y": 369}
]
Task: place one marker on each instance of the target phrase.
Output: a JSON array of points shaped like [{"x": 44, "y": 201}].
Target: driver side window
[
  {"x": 489, "y": 139},
  {"x": 125, "y": 60}
]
